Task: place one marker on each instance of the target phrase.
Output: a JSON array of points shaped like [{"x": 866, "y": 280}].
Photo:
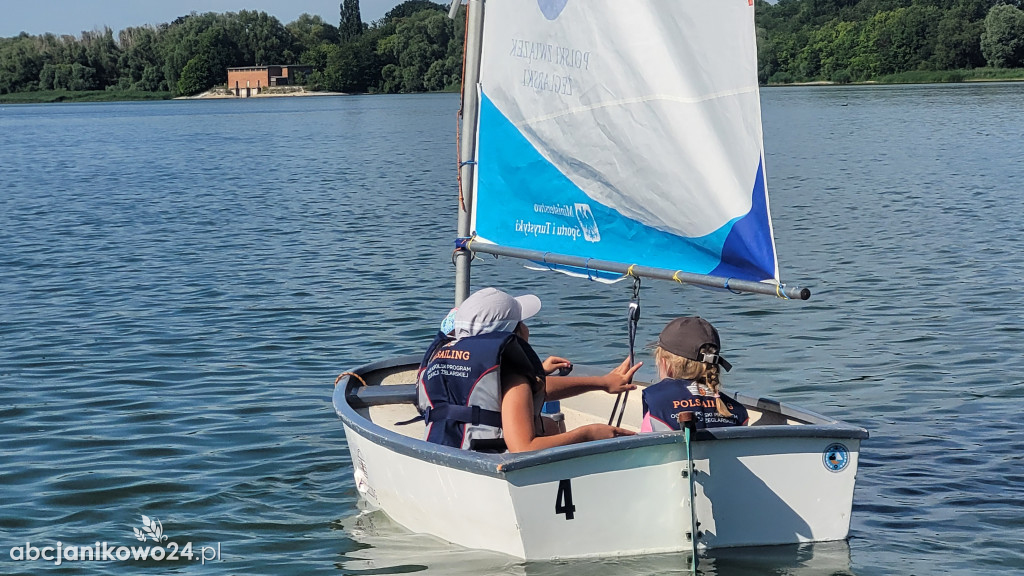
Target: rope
[
  {"x": 467, "y": 242},
  {"x": 632, "y": 320},
  {"x": 343, "y": 374},
  {"x": 458, "y": 115},
  {"x": 458, "y": 150}
]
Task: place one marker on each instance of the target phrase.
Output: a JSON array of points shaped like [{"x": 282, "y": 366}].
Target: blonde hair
[{"x": 705, "y": 375}]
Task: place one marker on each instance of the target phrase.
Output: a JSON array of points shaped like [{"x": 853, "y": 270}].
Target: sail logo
[
  {"x": 836, "y": 457},
  {"x": 588, "y": 224},
  {"x": 552, "y": 8}
]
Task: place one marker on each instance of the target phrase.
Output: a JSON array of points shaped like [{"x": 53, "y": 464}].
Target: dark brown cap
[{"x": 695, "y": 338}]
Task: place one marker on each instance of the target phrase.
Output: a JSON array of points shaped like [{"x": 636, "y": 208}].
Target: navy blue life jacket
[
  {"x": 666, "y": 399},
  {"x": 459, "y": 386},
  {"x": 440, "y": 339}
]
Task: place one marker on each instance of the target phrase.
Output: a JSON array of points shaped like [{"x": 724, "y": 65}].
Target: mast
[{"x": 470, "y": 79}]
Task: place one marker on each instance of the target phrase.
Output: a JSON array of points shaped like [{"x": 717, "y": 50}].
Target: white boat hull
[{"x": 755, "y": 486}]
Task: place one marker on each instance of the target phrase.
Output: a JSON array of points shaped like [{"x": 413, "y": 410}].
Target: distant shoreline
[
  {"x": 93, "y": 96},
  {"x": 224, "y": 93},
  {"x": 879, "y": 83},
  {"x": 58, "y": 96}
]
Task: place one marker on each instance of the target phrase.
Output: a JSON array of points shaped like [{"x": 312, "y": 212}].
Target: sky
[{"x": 74, "y": 16}]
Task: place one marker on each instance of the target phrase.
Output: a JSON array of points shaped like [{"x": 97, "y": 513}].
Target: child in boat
[
  {"x": 689, "y": 365},
  {"x": 487, "y": 382}
]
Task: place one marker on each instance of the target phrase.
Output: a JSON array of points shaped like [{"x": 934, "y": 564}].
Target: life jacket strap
[{"x": 474, "y": 415}]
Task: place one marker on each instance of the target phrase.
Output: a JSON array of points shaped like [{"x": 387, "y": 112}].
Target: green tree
[
  {"x": 351, "y": 23},
  {"x": 410, "y": 7},
  {"x": 140, "y": 63},
  {"x": 309, "y": 32},
  {"x": 901, "y": 38},
  {"x": 179, "y": 44},
  {"x": 21, "y": 62},
  {"x": 958, "y": 40},
  {"x": 1002, "y": 42},
  {"x": 418, "y": 43},
  {"x": 260, "y": 39},
  {"x": 197, "y": 76},
  {"x": 102, "y": 55}
]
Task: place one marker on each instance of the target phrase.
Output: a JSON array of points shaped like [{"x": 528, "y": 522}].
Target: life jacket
[
  {"x": 459, "y": 386},
  {"x": 440, "y": 339},
  {"x": 665, "y": 400}
]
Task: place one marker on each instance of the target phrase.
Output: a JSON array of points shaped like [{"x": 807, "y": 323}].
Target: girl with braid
[{"x": 689, "y": 366}]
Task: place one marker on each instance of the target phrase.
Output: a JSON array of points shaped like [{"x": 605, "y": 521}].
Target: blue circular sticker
[{"x": 836, "y": 457}]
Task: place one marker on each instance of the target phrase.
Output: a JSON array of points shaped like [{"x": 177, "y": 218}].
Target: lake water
[{"x": 180, "y": 282}]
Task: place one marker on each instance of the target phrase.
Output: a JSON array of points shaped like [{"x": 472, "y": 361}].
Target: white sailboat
[{"x": 610, "y": 138}]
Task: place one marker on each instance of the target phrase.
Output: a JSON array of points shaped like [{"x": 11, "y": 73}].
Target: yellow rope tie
[
  {"x": 779, "y": 293},
  {"x": 343, "y": 374},
  {"x": 630, "y": 271},
  {"x": 676, "y": 276}
]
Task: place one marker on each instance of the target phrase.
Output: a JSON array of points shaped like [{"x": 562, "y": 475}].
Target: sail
[{"x": 624, "y": 131}]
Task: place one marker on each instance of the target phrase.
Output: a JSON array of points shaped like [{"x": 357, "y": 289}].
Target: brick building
[{"x": 250, "y": 80}]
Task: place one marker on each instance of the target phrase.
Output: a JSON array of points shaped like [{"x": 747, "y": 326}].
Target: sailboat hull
[{"x": 756, "y": 485}]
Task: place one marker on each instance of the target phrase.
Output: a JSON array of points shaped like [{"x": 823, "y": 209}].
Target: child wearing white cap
[{"x": 488, "y": 382}]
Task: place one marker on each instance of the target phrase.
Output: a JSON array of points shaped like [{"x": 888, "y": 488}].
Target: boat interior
[{"x": 388, "y": 399}]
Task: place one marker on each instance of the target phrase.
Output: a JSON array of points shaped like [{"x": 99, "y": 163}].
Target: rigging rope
[
  {"x": 343, "y": 374},
  {"x": 458, "y": 115},
  {"x": 632, "y": 319}
]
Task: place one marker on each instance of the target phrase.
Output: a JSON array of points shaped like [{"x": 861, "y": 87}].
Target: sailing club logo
[
  {"x": 836, "y": 457},
  {"x": 552, "y": 8}
]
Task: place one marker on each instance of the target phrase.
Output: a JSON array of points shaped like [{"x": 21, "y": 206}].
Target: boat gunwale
[{"x": 497, "y": 465}]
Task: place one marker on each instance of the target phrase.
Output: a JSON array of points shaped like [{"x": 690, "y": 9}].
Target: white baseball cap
[{"x": 491, "y": 310}]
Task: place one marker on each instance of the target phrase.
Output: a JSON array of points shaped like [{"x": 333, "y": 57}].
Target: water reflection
[{"x": 384, "y": 547}]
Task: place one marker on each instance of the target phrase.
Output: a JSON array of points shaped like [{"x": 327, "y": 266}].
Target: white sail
[{"x": 624, "y": 131}]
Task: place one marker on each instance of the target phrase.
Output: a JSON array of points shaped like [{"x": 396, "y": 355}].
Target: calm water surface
[{"x": 180, "y": 282}]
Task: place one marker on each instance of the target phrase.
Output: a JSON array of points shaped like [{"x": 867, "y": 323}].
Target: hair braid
[{"x": 706, "y": 376}]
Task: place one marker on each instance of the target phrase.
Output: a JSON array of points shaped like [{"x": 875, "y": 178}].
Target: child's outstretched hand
[{"x": 621, "y": 378}]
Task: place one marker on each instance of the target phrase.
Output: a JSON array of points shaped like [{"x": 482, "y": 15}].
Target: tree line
[
  {"x": 416, "y": 48},
  {"x": 860, "y": 40}
]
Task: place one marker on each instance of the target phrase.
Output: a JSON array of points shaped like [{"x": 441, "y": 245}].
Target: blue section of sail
[
  {"x": 744, "y": 247},
  {"x": 524, "y": 201}
]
